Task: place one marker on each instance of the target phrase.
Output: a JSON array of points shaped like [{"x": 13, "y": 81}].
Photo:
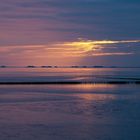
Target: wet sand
[{"x": 70, "y": 112}]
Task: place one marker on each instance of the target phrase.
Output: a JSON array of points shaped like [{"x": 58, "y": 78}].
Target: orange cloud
[{"x": 63, "y": 52}]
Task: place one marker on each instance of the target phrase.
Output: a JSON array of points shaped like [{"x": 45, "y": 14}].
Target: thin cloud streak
[
  {"x": 70, "y": 49},
  {"x": 68, "y": 53},
  {"x": 85, "y": 46},
  {"x": 92, "y": 42},
  {"x": 112, "y": 54}
]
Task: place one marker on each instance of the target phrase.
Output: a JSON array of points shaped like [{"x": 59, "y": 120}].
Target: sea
[
  {"x": 69, "y": 103},
  {"x": 69, "y": 75}
]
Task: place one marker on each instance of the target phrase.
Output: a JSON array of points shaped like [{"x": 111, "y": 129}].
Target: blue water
[
  {"x": 69, "y": 74},
  {"x": 71, "y": 111}
]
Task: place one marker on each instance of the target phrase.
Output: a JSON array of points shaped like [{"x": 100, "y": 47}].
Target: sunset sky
[{"x": 70, "y": 32}]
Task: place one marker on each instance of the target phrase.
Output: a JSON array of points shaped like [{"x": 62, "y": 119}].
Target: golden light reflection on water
[
  {"x": 95, "y": 92},
  {"x": 97, "y": 97},
  {"x": 95, "y": 87}
]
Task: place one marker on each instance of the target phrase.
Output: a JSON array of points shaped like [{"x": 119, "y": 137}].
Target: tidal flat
[{"x": 70, "y": 112}]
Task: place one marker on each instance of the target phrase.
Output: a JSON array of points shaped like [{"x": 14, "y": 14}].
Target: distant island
[{"x": 73, "y": 66}]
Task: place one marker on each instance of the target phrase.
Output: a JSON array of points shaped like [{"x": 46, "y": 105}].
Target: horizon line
[{"x": 70, "y": 66}]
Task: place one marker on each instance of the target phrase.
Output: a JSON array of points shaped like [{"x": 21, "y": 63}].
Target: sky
[{"x": 70, "y": 32}]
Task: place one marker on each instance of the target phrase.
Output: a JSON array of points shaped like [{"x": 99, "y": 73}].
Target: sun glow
[
  {"x": 66, "y": 52},
  {"x": 84, "y": 46}
]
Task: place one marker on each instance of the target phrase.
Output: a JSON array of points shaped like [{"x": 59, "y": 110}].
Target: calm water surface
[
  {"x": 68, "y": 74},
  {"x": 69, "y": 112}
]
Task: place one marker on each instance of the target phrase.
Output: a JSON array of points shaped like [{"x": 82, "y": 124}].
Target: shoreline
[{"x": 68, "y": 82}]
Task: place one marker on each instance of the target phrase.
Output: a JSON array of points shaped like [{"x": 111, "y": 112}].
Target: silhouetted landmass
[
  {"x": 84, "y": 66},
  {"x": 47, "y": 66},
  {"x": 3, "y": 66},
  {"x": 74, "y": 66},
  {"x": 69, "y": 82},
  {"x": 55, "y": 66},
  {"x": 98, "y": 66},
  {"x": 30, "y": 66}
]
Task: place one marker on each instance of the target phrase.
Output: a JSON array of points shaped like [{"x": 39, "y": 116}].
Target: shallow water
[
  {"x": 69, "y": 74},
  {"x": 70, "y": 112}
]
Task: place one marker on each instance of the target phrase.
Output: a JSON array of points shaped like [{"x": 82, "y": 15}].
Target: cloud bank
[{"x": 24, "y": 25}]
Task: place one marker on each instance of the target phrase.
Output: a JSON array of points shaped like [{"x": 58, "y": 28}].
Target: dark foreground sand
[{"x": 70, "y": 112}]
